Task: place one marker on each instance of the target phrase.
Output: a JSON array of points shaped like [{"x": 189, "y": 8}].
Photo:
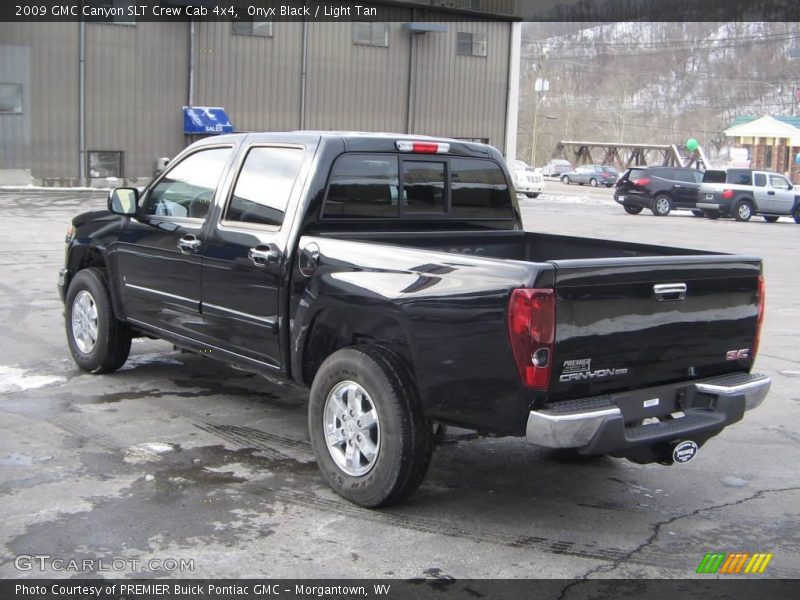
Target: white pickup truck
[{"x": 742, "y": 193}]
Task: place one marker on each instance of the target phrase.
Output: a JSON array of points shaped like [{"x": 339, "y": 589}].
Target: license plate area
[{"x": 650, "y": 403}]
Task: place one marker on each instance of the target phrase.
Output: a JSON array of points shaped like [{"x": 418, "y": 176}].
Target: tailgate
[{"x": 627, "y": 323}]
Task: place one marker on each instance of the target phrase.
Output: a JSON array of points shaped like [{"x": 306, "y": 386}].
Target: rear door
[
  {"x": 247, "y": 251},
  {"x": 687, "y": 185},
  {"x": 650, "y": 320},
  {"x": 780, "y": 194}
]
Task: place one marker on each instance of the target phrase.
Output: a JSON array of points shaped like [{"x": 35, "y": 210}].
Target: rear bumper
[{"x": 612, "y": 424}]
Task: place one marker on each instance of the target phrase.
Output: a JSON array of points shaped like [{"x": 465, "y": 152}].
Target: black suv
[{"x": 661, "y": 189}]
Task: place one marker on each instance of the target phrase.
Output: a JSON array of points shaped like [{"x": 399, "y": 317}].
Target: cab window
[{"x": 187, "y": 190}]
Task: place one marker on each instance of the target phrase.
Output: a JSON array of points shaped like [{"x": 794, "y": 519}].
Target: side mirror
[{"x": 123, "y": 201}]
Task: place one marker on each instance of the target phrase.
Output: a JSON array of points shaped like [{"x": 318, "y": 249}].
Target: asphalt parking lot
[{"x": 176, "y": 457}]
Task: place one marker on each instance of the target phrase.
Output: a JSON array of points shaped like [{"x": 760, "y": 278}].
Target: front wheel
[
  {"x": 743, "y": 210},
  {"x": 796, "y": 215},
  {"x": 99, "y": 343},
  {"x": 698, "y": 213},
  {"x": 532, "y": 195},
  {"x": 593, "y": 182},
  {"x": 369, "y": 435},
  {"x": 662, "y": 205},
  {"x": 565, "y": 180},
  {"x": 632, "y": 210}
]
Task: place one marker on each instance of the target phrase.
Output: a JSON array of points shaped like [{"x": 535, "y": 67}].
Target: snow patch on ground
[{"x": 13, "y": 379}]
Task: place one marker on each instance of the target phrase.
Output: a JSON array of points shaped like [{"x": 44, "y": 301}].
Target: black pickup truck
[{"x": 391, "y": 275}]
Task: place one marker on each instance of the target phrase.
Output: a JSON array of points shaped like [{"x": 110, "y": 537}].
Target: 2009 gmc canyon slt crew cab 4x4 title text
[{"x": 392, "y": 276}]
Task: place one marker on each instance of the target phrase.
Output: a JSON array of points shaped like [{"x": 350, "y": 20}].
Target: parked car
[
  {"x": 391, "y": 276},
  {"x": 527, "y": 180},
  {"x": 556, "y": 167},
  {"x": 660, "y": 189},
  {"x": 742, "y": 193},
  {"x": 594, "y": 175}
]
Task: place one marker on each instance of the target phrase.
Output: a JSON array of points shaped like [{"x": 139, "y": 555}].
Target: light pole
[{"x": 540, "y": 86}]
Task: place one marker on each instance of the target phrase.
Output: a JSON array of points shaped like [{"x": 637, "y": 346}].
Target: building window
[
  {"x": 767, "y": 157},
  {"x": 471, "y": 44},
  {"x": 116, "y": 12},
  {"x": 10, "y": 98},
  {"x": 258, "y": 28},
  {"x": 103, "y": 163},
  {"x": 371, "y": 34}
]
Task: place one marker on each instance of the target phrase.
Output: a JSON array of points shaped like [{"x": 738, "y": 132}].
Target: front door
[
  {"x": 781, "y": 195},
  {"x": 244, "y": 257},
  {"x": 158, "y": 255}
]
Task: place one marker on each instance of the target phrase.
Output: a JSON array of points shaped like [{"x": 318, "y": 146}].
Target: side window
[
  {"x": 779, "y": 183},
  {"x": 264, "y": 185},
  {"x": 187, "y": 190},
  {"x": 363, "y": 187},
  {"x": 423, "y": 187},
  {"x": 479, "y": 190},
  {"x": 759, "y": 179}
]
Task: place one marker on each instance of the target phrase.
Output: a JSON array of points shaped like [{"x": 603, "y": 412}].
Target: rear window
[
  {"x": 739, "y": 176},
  {"x": 632, "y": 174},
  {"x": 714, "y": 177},
  {"x": 479, "y": 190},
  {"x": 371, "y": 186}
]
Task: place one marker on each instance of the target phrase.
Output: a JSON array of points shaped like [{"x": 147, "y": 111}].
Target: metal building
[{"x": 84, "y": 101}]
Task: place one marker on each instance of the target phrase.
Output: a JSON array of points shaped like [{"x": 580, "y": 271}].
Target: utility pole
[{"x": 540, "y": 87}]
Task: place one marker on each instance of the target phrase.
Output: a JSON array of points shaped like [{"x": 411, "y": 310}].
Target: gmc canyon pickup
[{"x": 391, "y": 275}]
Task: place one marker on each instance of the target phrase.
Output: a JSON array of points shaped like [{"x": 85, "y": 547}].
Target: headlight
[{"x": 70, "y": 234}]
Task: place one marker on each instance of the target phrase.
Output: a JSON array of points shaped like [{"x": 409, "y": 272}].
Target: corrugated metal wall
[
  {"x": 256, "y": 79},
  {"x": 15, "y": 129},
  {"x": 52, "y": 95},
  {"x": 355, "y": 87},
  {"x": 462, "y": 96},
  {"x": 136, "y": 83}
]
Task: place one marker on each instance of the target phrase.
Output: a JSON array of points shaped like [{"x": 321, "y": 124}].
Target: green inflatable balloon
[{"x": 691, "y": 144}]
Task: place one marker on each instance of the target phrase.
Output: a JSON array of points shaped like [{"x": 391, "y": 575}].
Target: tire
[
  {"x": 743, "y": 210},
  {"x": 99, "y": 343},
  {"x": 796, "y": 215},
  {"x": 565, "y": 180},
  {"x": 369, "y": 380},
  {"x": 662, "y": 205},
  {"x": 532, "y": 195},
  {"x": 711, "y": 214},
  {"x": 593, "y": 182},
  {"x": 698, "y": 213},
  {"x": 632, "y": 210},
  {"x": 771, "y": 218}
]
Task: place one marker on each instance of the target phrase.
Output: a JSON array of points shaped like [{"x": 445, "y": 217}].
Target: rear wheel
[
  {"x": 698, "y": 213},
  {"x": 98, "y": 342},
  {"x": 632, "y": 210},
  {"x": 565, "y": 180},
  {"x": 796, "y": 215},
  {"x": 770, "y": 218},
  {"x": 662, "y": 205},
  {"x": 369, "y": 435},
  {"x": 711, "y": 214},
  {"x": 743, "y": 210},
  {"x": 593, "y": 182}
]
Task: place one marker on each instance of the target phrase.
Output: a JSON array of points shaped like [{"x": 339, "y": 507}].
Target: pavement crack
[{"x": 656, "y": 531}]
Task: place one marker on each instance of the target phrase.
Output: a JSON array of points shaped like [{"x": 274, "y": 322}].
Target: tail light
[
  {"x": 532, "y": 329},
  {"x": 642, "y": 181},
  {"x": 727, "y": 194},
  {"x": 762, "y": 297}
]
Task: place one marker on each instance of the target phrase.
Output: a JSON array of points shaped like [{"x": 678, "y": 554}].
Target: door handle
[
  {"x": 189, "y": 244},
  {"x": 263, "y": 254},
  {"x": 666, "y": 292},
  {"x": 770, "y": 193}
]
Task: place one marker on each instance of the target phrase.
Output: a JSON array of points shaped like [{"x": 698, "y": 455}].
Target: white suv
[{"x": 527, "y": 180}]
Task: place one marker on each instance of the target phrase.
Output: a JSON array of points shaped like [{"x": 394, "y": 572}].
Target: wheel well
[
  {"x": 663, "y": 193},
  {"x": 747, "y": 199},
  {"x": 334, "y": 329},
  {"x": 83, "y": 257}
]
